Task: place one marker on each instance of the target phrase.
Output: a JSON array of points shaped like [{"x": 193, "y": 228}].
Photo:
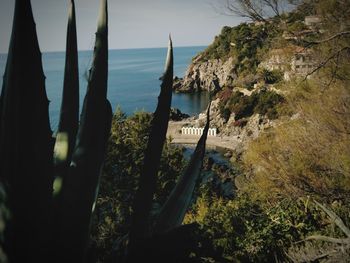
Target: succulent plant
[
  {"x": 27, "y": 166},
  {"x": 149, "y": 235},
  {"x": 52, "y": 183}
]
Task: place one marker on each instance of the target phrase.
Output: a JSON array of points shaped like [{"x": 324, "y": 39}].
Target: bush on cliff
[
  {"x": 264, "y": 102},
  {"x": 242, "y": 42},
  {"x": 271, "y": 76}
]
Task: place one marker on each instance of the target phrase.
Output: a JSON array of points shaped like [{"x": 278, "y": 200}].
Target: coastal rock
[
  {"x": 177, "y": 83},
  {"x": 208, "y": 75},
  {"x": 239, "y": 132},
  {"x": 177, "y": 115}
]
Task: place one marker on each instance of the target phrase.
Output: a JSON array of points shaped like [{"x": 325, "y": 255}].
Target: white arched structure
[{"x": 197, "y": 131}]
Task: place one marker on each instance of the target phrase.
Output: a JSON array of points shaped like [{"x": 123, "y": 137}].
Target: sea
[{"x": 133, "y": 79}]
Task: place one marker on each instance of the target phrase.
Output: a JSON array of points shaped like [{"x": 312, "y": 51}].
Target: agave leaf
[
  {"x": 69, "y": 115},
  {"x": 148, "y": 178},
  {"x": 174, "y": 209},
  {"x": 68, "y": 124},
  {"x": 79, "y": 188},
  {"x": 25, "y": 141}
]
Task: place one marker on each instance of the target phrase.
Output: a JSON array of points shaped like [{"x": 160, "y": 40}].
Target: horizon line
[{"x": 133, "y": 48}]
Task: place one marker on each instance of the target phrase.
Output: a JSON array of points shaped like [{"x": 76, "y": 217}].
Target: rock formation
[
  {"x": 208, "y": 75},
  {"x": 177, "y": 115}
]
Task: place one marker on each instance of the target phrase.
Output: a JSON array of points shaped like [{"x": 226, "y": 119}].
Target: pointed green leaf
[
  {"x": 26, "y": 140},
  {"x": 174, "y": 209},
  {"x": 69, "y": 115},
  {"x": 148, "y": 178},
  {"x": 79, "y": 188}
]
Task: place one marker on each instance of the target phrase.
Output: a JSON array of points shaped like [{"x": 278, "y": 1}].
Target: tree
[
  {"x": 332, "y": 44},
  {"x": 257, "y": 10}
]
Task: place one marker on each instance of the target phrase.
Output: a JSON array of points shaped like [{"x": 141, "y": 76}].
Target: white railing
[{"x": 197, "y": 131}]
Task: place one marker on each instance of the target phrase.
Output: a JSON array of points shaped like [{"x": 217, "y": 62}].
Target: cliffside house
[
  {"x": 292, "y": 61},
  {"x": 313, "y": 22}
]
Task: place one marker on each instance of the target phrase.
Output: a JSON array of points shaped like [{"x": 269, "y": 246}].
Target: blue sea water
[{"x": 133, "y": 80}]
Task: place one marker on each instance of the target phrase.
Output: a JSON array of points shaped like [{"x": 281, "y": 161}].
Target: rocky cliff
[
  {"x": 239, "y": 132},
  {"x": 208, "y": 75},
  {"x": 233, "y": 135}
]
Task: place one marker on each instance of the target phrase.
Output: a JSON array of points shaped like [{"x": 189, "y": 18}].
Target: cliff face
[
  {"x": 234, "y": 136},
  {"x": 238, "y": 133},
  {"x": 241, "y": 67},
  {"x": 208, "y": 75}
]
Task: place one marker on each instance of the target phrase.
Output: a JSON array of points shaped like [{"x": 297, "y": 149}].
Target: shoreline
[{"x": 174, "y": 132}]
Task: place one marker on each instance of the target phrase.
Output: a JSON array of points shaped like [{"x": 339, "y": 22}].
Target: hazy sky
[{"x": 132, "y": 23}]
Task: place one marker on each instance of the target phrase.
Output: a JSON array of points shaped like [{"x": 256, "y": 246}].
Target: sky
[{"x": 132, "y": 23}]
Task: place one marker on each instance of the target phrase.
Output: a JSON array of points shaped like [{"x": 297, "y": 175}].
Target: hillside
[
  {"x": 281, "y": 101},
  {"x": 252, "y": 53},
  {"x": 249, "y": 68}
]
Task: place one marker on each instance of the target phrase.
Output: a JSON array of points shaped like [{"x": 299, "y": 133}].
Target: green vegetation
[
  {"x": 242, "y": 230},
  {"x": 292, "y": 182},
  {"x": 243, "y": 42},
  {"x": 303, "y": 159},
  {"x": 120, "y": 177},
  {"x": 273, "y": 215},
  {"x": 263, "y": 102},
  {"x": 271, "y": 77},
  {"x": 314, "y": 146},
  {"x": 291, "y": 168}
]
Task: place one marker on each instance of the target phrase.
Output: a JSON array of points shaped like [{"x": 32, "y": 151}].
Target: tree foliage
[
  {"x": 262, "y": 102},
  {"x": 241, "y": 42}
]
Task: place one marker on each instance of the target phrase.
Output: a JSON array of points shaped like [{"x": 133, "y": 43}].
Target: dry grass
[{"x": 310, "y": 152}]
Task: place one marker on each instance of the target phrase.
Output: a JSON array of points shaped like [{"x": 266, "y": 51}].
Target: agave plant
[
  {"x": 27, "y": 166},
  {"x": 147, "y": 238},
  {"x": 52, "y": 199}
]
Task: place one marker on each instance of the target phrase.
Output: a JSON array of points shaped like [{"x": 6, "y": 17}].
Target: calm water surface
[{"x": 133, "y": 80}]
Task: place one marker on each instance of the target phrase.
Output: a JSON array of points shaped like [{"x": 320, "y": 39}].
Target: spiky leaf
[
  {"x": 80, "y": 187},
  {"x": 147, "y": 185},
  {"x": 174, "y": 209},
  {"x": 25, "y": 141},
  {"x": 69, "y": 115}
]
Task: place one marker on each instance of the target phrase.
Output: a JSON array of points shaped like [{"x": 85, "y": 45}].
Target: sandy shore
[{"x": 174, "y": 132}]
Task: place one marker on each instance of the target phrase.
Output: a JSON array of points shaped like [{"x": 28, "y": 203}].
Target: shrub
[
  {"x": 244, "y": 230},
  {"x": 246, "y": 80},
  {"x": 263, "y": 102},
  {"x": 120, "y": 175},
  {"x": 306, "y": 155},
  {"x": 271, "y": 77},
  {"x": 267, "y": 104},
  {"x": 244, "y": 107}
]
